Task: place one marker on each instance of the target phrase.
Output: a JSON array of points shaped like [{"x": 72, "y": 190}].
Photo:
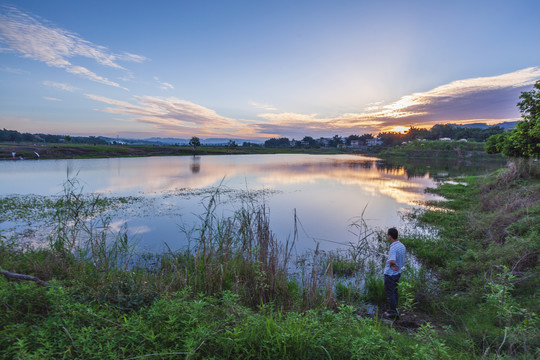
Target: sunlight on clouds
[
  {"x": 410, "y": 104},
  {"x": 400, "y": 129},
  {"x": 51, "y": 98},
  {"x": 180, "y": 117},
  {"x": 457, "y": 102},
  {"x": 290, "y": 117},
  {"x": 515, "y": 79}
]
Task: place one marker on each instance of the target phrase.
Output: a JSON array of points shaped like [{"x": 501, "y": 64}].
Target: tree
[
  {"x": 416, "y": 133},
  {"x": 524, "y": 140},
  {"x": 495, "y": 143},
  {"x": 309, "y": 142},
  {"x": 194, "y": 142},
  {"x": 530, "y": 105},
  {"x": 391, "y": 138},
  {"x": 441, "y": 131},
  {"x": 335, "y": 141},
  {"x": 277, "y": 143}
]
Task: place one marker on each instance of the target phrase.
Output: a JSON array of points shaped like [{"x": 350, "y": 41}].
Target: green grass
[
  {"x": 52, "y": 323},
  {"x": 438, "y": 149},
  {"x": 230, "y": 296},
  {"x": 486, "y": 256}
]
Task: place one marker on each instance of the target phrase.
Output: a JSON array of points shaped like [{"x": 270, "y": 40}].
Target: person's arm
[{"x": 392, "y": 259}]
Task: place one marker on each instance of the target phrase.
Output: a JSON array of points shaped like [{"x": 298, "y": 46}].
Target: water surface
[{"x": 328, "y": 192}]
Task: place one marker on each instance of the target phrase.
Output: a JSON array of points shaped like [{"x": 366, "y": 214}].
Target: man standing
[{"x": 392, "y": 271}]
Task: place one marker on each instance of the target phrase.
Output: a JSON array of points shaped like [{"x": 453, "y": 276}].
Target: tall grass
[
  {"x": 486, "y": 259},
  {"x": 226, "y": 295},
  {"x": 238, "y": 253}
]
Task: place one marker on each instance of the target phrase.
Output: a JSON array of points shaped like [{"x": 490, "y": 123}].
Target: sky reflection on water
[{"x": 327, "y": 191}]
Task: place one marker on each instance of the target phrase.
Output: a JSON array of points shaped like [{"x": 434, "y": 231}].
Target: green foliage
[
  {"x": 450, "y": 131},
  {"x": 194, "y": 142},
  {"x": 229, "y": 296},
  {"x": 309, "y": 142},
  {"x": 50, "y": 323},
  {"x": 342, "y": 264},
  {"x": 277, "y": 143},
  {"x": 348, "y": 293},
  {"x": 529, "y": 106},
  {"x": 363, "y": 137},
  {"x": 524, "y": 140},
  {"x": 435, "y": 347},
  {"x": 486, "y": 255},
  {"x": 15, "y": 136},
  {"x": 374, "y": 288}
]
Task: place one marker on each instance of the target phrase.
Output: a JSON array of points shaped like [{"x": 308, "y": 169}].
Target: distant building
[
  {"x": 324, "y": 141},
  {"x": 374, "y": 142},
  {"x": 356, "y": 143}
]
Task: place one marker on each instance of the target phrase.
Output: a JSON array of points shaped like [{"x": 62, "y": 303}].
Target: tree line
[
  {"x": 15, "y": 136},
  {"x": 450, "y": 131}
]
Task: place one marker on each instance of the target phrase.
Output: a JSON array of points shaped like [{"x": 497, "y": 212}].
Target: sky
[{"x": 261, "y": 69}]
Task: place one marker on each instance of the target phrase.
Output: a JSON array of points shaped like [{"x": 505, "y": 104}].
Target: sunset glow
[
  {"x": 214, "y": 70},
  {"x": 400, "y": 129}
]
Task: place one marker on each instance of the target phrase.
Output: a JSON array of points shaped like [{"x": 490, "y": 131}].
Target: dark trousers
[{"x": 390, "y": 286}]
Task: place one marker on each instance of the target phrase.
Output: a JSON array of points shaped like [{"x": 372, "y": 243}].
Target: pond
[{"x": 167, "y": 196}]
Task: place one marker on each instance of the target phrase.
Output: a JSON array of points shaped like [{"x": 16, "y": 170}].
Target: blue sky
[{"x": 261, "y": 69}]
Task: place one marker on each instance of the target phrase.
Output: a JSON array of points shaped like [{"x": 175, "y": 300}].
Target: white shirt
[{"x": 396, "y": 253}]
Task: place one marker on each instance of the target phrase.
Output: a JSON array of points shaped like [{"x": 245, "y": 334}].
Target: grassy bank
[
  {"x": 83, "y": 151},
  {"x": 230, "y": 294},
  {"x": 412, "y": 150},
  {"x": 486, "y": 257},
  {"x": 436, "y": 149}
]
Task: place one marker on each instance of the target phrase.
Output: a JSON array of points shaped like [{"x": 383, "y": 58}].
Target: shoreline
[
  {"x": 83, "y": 151},
  {"x": 442, "y": 150}
]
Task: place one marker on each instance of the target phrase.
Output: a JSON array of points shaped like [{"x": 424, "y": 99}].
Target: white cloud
[
  {"x": 51, "y": 98},
  {"x": 491, "y": 99},
  {"x": 14, "y": 70},
  {"x": 290, "y": 117},
  {"x": 459, "y": 89},
  {"x": 132, "y": 57},
  {"x": 175, "y": 115},
  {"x": 79, "y": 70},
  {"x": 163, "y": 85},
  {"x": 60, "y": 86},
  {"x": 262, "y": 106},
  {"x": 36, "y": 39}
]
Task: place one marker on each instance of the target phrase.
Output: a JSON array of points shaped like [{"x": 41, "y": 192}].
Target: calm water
[{"x": 328, "y": 192}]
